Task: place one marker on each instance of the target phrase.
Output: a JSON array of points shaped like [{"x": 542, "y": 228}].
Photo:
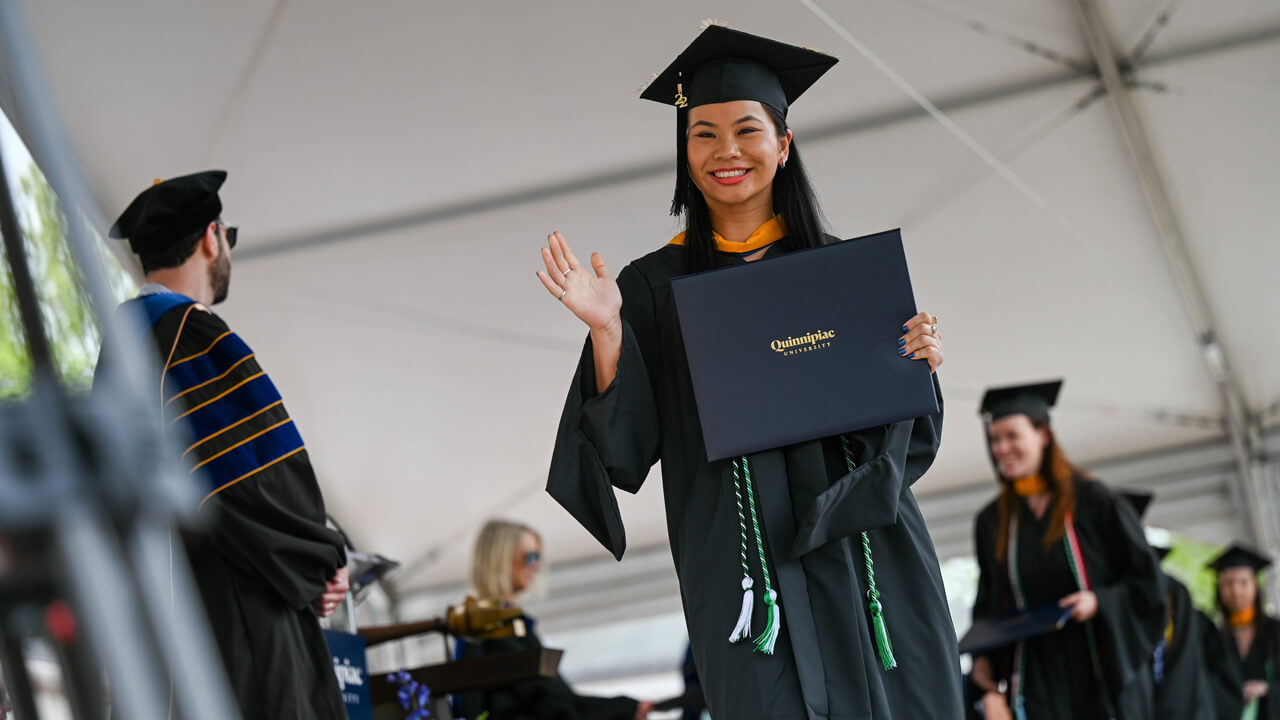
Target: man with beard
[{"x": 266, "y": 566}]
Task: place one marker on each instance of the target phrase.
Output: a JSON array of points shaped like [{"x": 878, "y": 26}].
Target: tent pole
[{"x": 1241, "y": 426}]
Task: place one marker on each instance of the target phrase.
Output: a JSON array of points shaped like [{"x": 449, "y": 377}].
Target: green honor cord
[
  {"x": 884, "y": 646},
  {"x": 768, "y": 639}
]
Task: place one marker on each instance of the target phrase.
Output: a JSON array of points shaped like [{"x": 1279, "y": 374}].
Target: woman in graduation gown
[
  {"x": 826, "y": 533},
  {"x": 1244, "y": 653},
  {"x": 1055, "y": 536}
]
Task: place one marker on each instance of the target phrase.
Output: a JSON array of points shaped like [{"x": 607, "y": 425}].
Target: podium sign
[{"x": 351, "y": 668}]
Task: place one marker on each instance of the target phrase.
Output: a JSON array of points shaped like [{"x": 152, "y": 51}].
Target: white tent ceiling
[{"x": 395, "y": 166}]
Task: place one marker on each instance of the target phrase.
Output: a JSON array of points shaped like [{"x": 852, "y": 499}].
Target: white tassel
[
  {"x": 742, "y": 630},
  {"x": 769, "y": 638}
]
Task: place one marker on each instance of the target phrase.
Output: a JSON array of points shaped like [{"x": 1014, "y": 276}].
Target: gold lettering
[{"x": 815, "y": 340}]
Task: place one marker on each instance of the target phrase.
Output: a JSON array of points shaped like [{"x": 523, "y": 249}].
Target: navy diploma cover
[
  {"x": 999, "y": 632},
  {"x": 802, "y": 346}
]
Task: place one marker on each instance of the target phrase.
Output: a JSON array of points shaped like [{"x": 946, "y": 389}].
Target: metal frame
[{"x": 90, "y": 487}]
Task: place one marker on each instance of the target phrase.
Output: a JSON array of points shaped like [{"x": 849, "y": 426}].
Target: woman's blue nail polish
[
  {"x": 902, "y": 341},
  {"x": 911, "y": 356},
  {"x": 904, "y": 328},
  {"x": 902, "y": 351}
]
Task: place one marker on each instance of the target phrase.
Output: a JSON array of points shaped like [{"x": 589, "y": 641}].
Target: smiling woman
[
  {"x": 825, "y": 533},
  {"x": 1054, "y": 536}
]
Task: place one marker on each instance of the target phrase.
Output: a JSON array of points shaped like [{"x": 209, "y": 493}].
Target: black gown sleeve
[
  {"x": 990, "y": 601},
  {"x": 1226, "y": 676},
  {"x": 1131, "y": 609},
  {"x": 986, "y": 604},
  {"x": 271, "y": 524},
  {"x": 888, "y": 460},
  {"x": 609, "y": 439},
  {"x": 1270, "y": 706},
  {"x": 1184, "y": 691},
  {"x": 272, "y": 527}
]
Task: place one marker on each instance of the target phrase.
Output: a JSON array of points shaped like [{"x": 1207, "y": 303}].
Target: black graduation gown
[
  {"x": 540, "y": 699},
  {"x": 1059, "y": 679},
  {"x": 1229, "y": 671},
  {"x": 811, "y": 510},
  {"x": 265, "y": 554},
  {"x": 1182, "y": 691}
]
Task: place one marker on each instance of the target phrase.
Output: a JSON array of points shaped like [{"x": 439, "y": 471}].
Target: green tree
[{"x": 64, "y": 307}]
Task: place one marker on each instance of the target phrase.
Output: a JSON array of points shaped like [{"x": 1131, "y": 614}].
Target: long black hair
[{"x": 793, "y": 199}]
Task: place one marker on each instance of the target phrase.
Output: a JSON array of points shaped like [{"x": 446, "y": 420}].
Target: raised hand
[
  {"x": 592, "y": 295},
  {"x": 921, "y": 340}
]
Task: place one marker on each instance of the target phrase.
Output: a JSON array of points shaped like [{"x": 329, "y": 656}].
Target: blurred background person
[
  {"x": 1243, "y": 652},
  {"x": 505, "y": 563},
  {"x": 1055, "y": 536},
  {"x": 1178, "y": 666}
]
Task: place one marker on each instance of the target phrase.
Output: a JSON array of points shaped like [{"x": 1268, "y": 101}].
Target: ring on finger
[
  {"x": 566, "y": 272},
  {"x": 933, "y": 329},
  {"x": 562, "y": 293}
]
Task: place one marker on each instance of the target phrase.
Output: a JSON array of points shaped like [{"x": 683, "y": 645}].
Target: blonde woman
[
  {"x": 504, "y": 564},
  {"x": 506, "y": 561}
]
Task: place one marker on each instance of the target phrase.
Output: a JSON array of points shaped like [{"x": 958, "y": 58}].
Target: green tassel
[
  {"x": 769, "y": 638},
  {"x": 883, "y": 646}
]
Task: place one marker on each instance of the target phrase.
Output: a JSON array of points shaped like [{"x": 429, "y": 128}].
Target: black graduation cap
[
  {"x": 1032, "y": 400},
  {"x": 723, "y": 65},
  {"x": 1239, "y": 555},
  {"x": 170, "y": 210},
  {"x": 1139, "y": 499}
]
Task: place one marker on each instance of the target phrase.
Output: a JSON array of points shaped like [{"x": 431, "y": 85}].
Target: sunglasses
[
  {"x": 230, "y": 231},
  {"x": 533, "y": 557}
]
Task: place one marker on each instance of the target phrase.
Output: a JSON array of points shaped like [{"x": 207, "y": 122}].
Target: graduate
[
  {"x": 810, "y": 584},
  {"x": 1244, "y": 652},
  {"x": 1181, "y": 680},
  {"x": 1055, "y": 536},
  {"x": 267, "y": 566}
]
